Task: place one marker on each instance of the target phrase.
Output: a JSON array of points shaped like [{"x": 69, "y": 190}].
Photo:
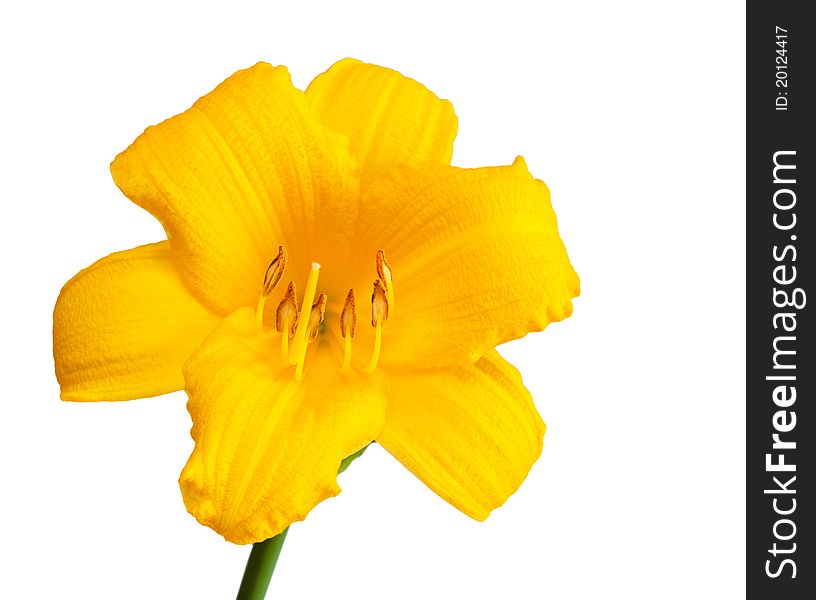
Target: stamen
[
  {"x": 375, "y": 354},
  {"x": 287, "y": 312},
  {"x": 385, "y": 275},
  {"x": 298, "y": 350},
  {"x": 259, "y": 313},
  {"x": 346, "y": 354},
  {"x": 316, "y": 316},
  {"x": 274, "y": 271},
  {"x": 284, "y": 356},
  {"x": 273, "y": 274},
  {"x": 286, "y": 320},
  {"x": 379, "y": 305},
  {"x": 348, "y": 325},
  {"x": 379, "y": 315}
]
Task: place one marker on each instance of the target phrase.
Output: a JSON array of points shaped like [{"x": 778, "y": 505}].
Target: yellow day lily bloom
[{"x": 328, "y": 280}]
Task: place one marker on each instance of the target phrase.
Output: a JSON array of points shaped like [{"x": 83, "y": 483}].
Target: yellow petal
[
  {"x": 246, "y": 169},
  {"x": 470, "y": 433},
  {"x": 389, "y": 119},
  {"x": 268, "y": 447},
  {"x": 476, "y": 259},
  {"x": 124, "y": 326}
]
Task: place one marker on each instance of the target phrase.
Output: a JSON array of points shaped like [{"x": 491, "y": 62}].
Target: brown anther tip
[
  {"x": 320, "y": 304},
  {"x": 379, "y": 304},
  {"x": 348, "y": 316},
  {"x": 383, "y": 270},
  {"x": 274, "y": 271},
  {"x": 316, "y": 316},
  {"x": 287, "y": 309}
]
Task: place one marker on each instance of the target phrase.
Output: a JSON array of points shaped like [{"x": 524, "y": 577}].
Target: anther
[
  {"x": 316, "y": 316},
  {"x": 273, "y": 274},
  {"x": 287, "y": 313},
  {"x": 348, "y": 325},
  {"x": 286, "y": 318},
  {"x": 379, "y": 315},
  {"x": 385, "y": 275},
  {"x": 274, "y": 271},
  {"x": 379, "y": 304},
  {"x": 348, "y": 316}
]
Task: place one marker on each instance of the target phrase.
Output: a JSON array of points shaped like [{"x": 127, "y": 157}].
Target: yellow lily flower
[{"x": 328, "y": 280}]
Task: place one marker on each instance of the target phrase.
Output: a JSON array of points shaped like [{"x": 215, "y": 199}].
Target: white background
[{"x": 632, "y": 112}]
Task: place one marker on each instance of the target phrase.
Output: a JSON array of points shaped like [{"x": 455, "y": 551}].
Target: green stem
[
  {"x": 264, "y": 555},
  {"x": 350, "y": 459},
  {"x": 260, "y": 566}
]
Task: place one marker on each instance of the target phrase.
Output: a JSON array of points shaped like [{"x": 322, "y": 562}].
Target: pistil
[
  {"x": 297, "y": 353},
  {"x": 315, "y": 319}
]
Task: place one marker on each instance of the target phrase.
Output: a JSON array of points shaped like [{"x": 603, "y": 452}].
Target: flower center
[{"x": 298, "y": 328}]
